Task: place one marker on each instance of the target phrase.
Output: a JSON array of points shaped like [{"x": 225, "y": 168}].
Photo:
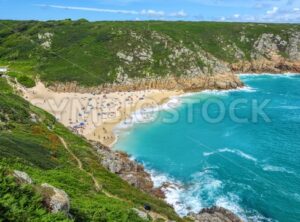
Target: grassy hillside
[
  {"x": 93, "y": 53},
  {"x": 29, "y": 141}
]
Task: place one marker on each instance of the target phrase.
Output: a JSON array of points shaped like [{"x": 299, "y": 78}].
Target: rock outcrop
[
  {"x": 22, "y": 177},
  {"x": 271, "y": 53},
  {"x": 54, "y": 199},
  {"x": 129, "y": 170},
  {"x": 141, "y": 214},
  {"x": 185, "y": 83},
  {"x": 215, "y": 214}
]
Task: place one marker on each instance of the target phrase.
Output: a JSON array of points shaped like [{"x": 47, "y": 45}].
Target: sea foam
[
  {"x": 146, "y": 115},
  {"x": 235, "y": 151},
  {"x": 272, "y": 168}
]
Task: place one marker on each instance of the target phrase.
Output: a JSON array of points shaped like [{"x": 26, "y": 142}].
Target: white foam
[
  {"x": 272, "y": 168},
  {"x": 204, "y": 190},
  {"x": 227, "y": 91},
  {"x": 146, "y": 115},
  {"x": 230, "y": 202},
  {"x": 186, "y": 198},
  {"x": 283, "y": 75},
  {"x": 176, "y": 194},
  {"x": 238, "y": 152}
]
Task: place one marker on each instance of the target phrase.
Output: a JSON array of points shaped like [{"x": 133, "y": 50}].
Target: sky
[{"x": 277, "y": 11}]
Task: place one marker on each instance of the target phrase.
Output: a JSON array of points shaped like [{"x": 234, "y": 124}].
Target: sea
[{"x": 238, "y": 149}]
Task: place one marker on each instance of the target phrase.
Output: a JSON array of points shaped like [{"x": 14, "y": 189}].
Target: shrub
[{"x": 26, "y": 81}]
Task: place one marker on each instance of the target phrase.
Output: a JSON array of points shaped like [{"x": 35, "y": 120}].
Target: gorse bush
[
  {"x": 21, "y": 203},
  {"x": 26, "y": 81}
]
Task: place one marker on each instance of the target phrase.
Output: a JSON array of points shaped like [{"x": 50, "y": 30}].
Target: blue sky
[{"x": 191, "y": 10}]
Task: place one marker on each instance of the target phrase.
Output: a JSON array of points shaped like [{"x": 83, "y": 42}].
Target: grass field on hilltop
[{"x": 86, "y": 52}]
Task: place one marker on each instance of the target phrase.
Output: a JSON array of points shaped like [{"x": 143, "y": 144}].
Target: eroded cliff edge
[{"x": 271, "y": 53}]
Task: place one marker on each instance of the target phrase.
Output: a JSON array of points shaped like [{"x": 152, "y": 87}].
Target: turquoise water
[{"x": 251, "y": 168}]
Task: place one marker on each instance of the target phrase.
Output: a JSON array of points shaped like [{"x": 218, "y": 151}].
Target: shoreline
[
  {"x": 101, "y": 128},
  {"x": 32, "y": 95},
  {"x": 95, "y": 112},
  {"x": 158, "y": 99},
  {"x": 95, "y": 116},
  {"x": 170, "y": 187}
]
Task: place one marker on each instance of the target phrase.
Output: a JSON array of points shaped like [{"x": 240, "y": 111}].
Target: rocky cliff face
[
  {"x": 215, "y": 214},
  {"x": 271, "y": 53},
  {"x": 185, "y": 83},
  {"x": 193, "y": 68},
  {"x": 130, "y": 171},
  {"x": 134, "y": 173}
]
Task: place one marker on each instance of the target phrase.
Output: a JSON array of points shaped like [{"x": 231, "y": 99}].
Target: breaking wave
[{"x": 227, "y": 150}]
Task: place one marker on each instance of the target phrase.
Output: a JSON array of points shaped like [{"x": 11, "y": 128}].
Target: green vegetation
[
  {"x": 22, "y": 203},
  {"x": 86, "y": 52},
  {"x": 29, "y": 142},
  {"x": 26, "y": 81}
]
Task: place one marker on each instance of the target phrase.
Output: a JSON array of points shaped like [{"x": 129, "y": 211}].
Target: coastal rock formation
[
  {"x": 185, "y": 83},
  {"x": 130, "y": 171},
  {"x": 215, "y": 214},
  {"x": 271, "y": 53},
  {"x": 55, "y": 200}
]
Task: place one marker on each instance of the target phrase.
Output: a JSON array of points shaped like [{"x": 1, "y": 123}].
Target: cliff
[
  {"x": 185, "y": 83},
  {"x": 139, "y": 55}
]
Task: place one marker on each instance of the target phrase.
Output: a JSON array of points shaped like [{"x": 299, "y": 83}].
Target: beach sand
[{"x": 94, "y": 116}]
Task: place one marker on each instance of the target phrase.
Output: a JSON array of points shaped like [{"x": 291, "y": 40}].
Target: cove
[{"x": 251, "y": 168}]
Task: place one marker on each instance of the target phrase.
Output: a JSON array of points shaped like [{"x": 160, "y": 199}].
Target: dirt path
[
  {"x": 98, "y": 188},
  {"x": 79, "y": 163}
]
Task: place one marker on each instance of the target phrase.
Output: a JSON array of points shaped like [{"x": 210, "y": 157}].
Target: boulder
[
  {"x": 141, "y": 214},
  {"x": 221, "y": 85},
  {"x": 215, "y": 214},
  {"x": 55, "y": 200},
  {"x": 22, "y": 177}
]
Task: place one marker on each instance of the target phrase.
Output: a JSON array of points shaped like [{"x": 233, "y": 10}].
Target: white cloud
[
  {"x": 92, "y": 9},
  {"x": 179, "y": 14},
  {"x": 272, "y": 11},
  {"x": 144, "y": 12},
  {"x": 152, "y": 13}
]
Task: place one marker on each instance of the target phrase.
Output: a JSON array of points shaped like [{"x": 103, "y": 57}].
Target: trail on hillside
[
  {"x": 96, "y": 184},
  {"x": 79, "y": 163}
]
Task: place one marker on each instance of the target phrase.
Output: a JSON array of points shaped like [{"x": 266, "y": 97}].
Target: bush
[
  {"x": 21, "y": 203},
  {"x": 26, "y": 81}
]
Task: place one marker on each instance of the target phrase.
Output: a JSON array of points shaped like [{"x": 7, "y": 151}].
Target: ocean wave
[
  {"x": 203, "y": 190},
  {"x": 230, "y": 202},
  {"x": 227, "y": 91},
  {"x": 256, "y": 217},
  {"x": 186, "y": 198},
  {"x": 272, "y": 168},
  {"x": 227, "y": 150},
  {"x": 146, "y": 115},
  {"x": 283, "y": 75}
]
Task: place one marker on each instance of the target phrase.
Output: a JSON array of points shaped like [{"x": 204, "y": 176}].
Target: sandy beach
[{"x": 94, "y": 115}]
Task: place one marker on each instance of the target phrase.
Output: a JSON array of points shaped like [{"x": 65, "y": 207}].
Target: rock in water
[
  {"x": 215, "y": 214},
  {"x": 56, "y": 200}
]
